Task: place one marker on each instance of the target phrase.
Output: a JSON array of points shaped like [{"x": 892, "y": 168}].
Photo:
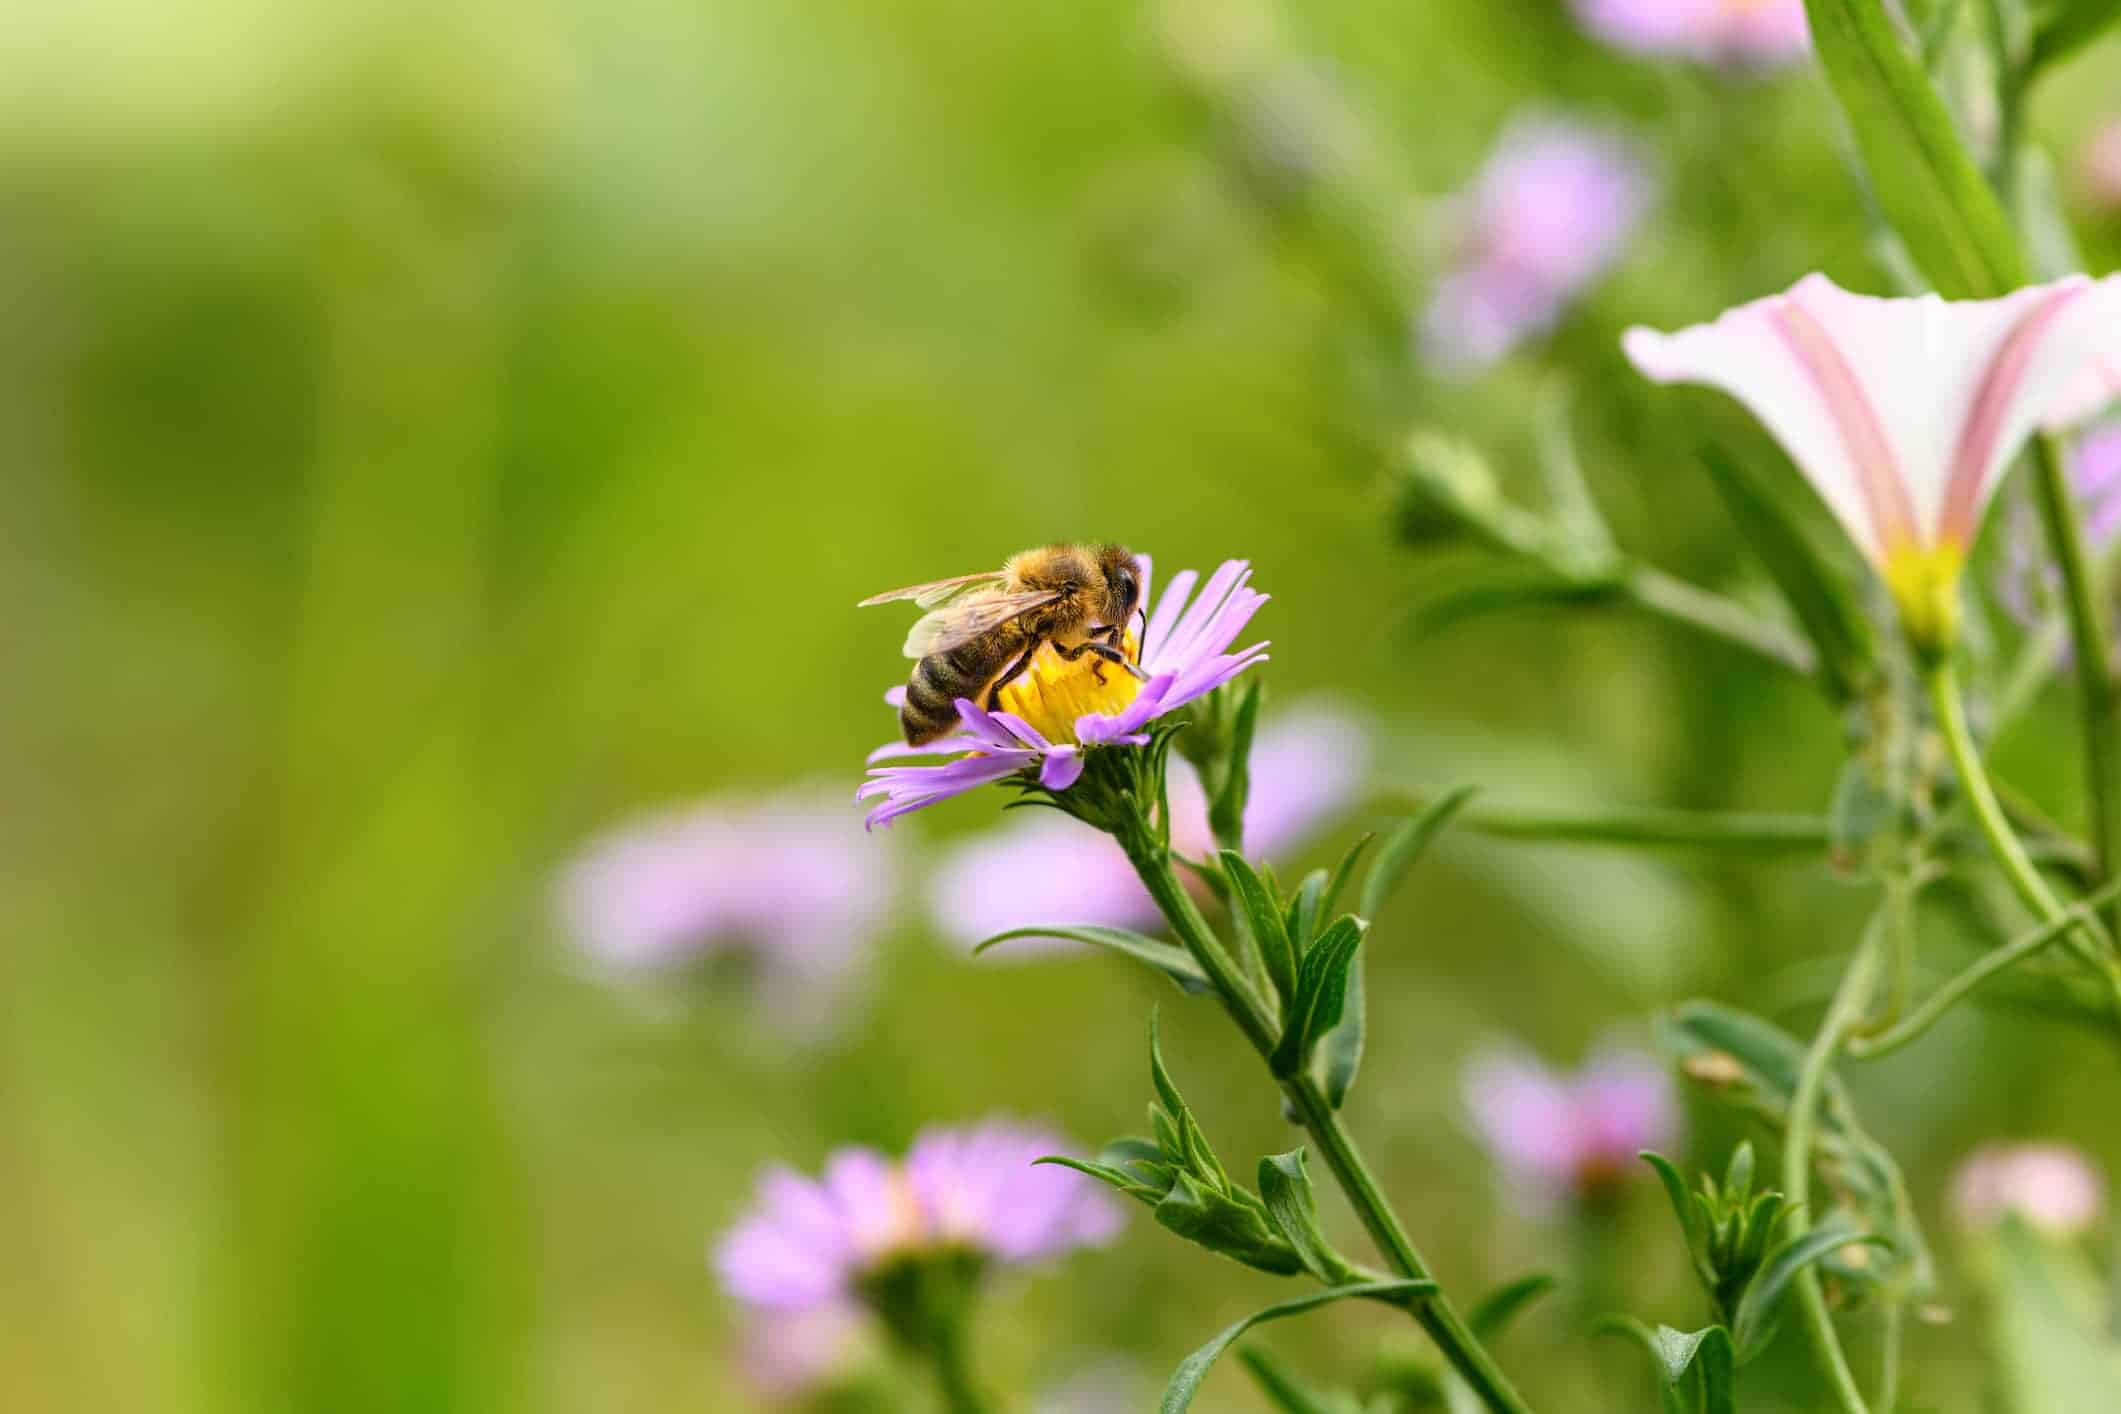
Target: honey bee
[{"x": 981, "y": 630}]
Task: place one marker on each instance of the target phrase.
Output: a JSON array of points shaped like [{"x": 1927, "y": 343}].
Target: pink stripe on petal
[
  {"x": 1985, "y": 418},
  {"x": 1878, "y": 476}
]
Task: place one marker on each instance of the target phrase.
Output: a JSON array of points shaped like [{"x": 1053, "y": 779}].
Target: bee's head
[{"x": 1122, "y": 577}]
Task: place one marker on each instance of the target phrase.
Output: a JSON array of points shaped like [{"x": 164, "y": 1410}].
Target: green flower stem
[
  {"x": 1335, "y": 1146},
  {"x": 1719, "y": 617},
  {"x": 2090, "y": 637},
  {"x": 953, "y": 1374},
  {"x": 2086, "y": 936},
  {"x": 1949, "y": 994},
  {"x": 1843, "y": 1014}
]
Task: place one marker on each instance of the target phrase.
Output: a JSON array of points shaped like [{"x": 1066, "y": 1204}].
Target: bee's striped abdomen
[{"x": 941, "y": 678}]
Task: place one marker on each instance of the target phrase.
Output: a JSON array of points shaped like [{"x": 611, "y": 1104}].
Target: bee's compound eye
[{"x": 1129, "y": 586}]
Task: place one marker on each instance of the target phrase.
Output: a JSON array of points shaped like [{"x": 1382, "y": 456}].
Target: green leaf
[
  {"x": 1820, "y": 596},
  {"x": 1282, "y": 1389},
  {"x": 1738, "y": 1174},
  {"x": 1929, "y": 188},
  {"x": 1756, "y": 1308},
  {"x": 1402, "y": 849},
  {"x": 1186, "y": 1380},
  {"x": 1656, "y": 1345},
  {"x": 1321, "y": 993},
  {"x": 2068, "y": 27},
  {"x": 1192, "y": 1145},
  {"x": 1263, "y": 917},
  {"x": 1753, "y": 1064},
  {"x": 1342, "y": 872},
  {"x": 1167, "y": 958},
  {"x": 2052, "y": 1357},
  {"x": 1106, "y": 1174},
  {"x": 1232, "y": 1224},
  {"x": 1305, "y": 910},
  {"x": 1492, "y": 1313},
  {"x": 1226, "y": 812},
  {"x": 1682, "y": 1200},
  {"x": 1286, "y": 1190}
]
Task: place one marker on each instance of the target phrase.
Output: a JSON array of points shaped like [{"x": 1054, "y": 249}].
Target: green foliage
[
  {"x": 1186, "y": 1380},
  {"x": 1820, "y": 596},
  {"x": 1753, "y": 1065},
  {"x": 1320, "y": 995},
  {"x": 1286, "y": 1189},
  {"x": 1256, "y": 900},
  {"x": 1937, "y": 200},
  {"x": 1168, "y": 958}
]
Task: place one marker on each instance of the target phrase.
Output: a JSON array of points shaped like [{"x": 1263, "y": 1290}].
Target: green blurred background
[{"x": 431, "y": 434}]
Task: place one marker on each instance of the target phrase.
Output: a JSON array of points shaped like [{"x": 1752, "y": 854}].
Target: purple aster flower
[
  {"x": 811, "y": 1245},
  {"x": 2051, "y": 1186},
  {"x": 1755, "y": 34},
  {"x": 1055, "y": 710},
  {"x": 786, "y": 885},
  {"x": 1548, "y": 214},
  {"x": 1561, "y": 1138},
  {"x": 1306, "y": 767}
]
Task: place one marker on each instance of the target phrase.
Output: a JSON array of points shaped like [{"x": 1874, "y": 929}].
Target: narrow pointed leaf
[
  {"x": 1669, "y": 1398},
  {"x": 1104, "y": 1174},
  {"x": 1226, "y": 813},
  {"x": 1491, "y": 1315},
  {"x": 1820, "y": 597},
  {"x": 1285, "y": 1188},
  {"x": 1403, "y": 847},
  {"x": 2068, "y": 27},
  {"x": 1186, "y": 1380},
  {"x": 1321, "y": 993},
  {"x": 1756, "y": 1308},
  {"x": 1344, "y": 871},
  {"x": 1270, "y": 932},
  {"x": 1167, "y": 958},
  {"x": 1306, "y": 910},
  {"x": 1929, "y": 188},
  {"x": 1682, "y": 1199},
  {"x": 1192, "y": 1144}
]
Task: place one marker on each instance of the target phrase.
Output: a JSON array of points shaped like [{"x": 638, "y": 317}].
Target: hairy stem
[
  {"x": 1335, "y": 1145},
  {"x": 2091, "y": 658},
  {"x": 953, "y": 1375},
  {"x": 1842, "y": 1014}
]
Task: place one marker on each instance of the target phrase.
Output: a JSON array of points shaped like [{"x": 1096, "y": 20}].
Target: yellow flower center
[
  {"x": 1052, "y": 692},
  {"x": 1924, "y": 581}
]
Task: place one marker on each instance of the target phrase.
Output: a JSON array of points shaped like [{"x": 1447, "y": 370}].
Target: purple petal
[
  {"x": 1063, "y": 767},
  {"x": 910, "y": 788}
]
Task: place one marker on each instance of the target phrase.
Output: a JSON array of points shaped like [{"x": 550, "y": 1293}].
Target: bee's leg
[
  {"x": 1106, "y": 654},
  {"x": 994, "y": 693}
]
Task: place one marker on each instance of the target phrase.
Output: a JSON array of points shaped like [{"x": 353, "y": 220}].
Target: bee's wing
[
  {"x": 943, "y": 629},
  {"x": 936, "y": 591}
]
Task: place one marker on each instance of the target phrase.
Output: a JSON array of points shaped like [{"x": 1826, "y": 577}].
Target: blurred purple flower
[
  {"x": 1306, "y": 767},
  {"x": 790, "y": 1352},
  {"x": 2026, "y": 580},
  {"x": 1560, "y": 1138},
  {"x": 1548, "y": 214},
  {"x": 2100, "y": 167},
  {"x": 1054, "y": 708},
  {"x": 807, "y": 1244},
  {"x": 2053, "y": 1187},
  {"x": 787, "y": 884},
  {"x": 1755, "y": 34}
]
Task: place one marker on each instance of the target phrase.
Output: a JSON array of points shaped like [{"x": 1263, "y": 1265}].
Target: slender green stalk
[
  {"x": 1335, "y": 1145},
  {"x": 1842, "y": 1014},
  {"x": 1654, "y": 827},
  {"x": 953, "y": 1376},
  {"x": 2091, "y": 657},
  {"x": 1949, "y": 994},
  {"x": 2086, "y": 936},
  {"x": 1718, "y": 617},
  {"x": 1889, "y": 1356}
]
